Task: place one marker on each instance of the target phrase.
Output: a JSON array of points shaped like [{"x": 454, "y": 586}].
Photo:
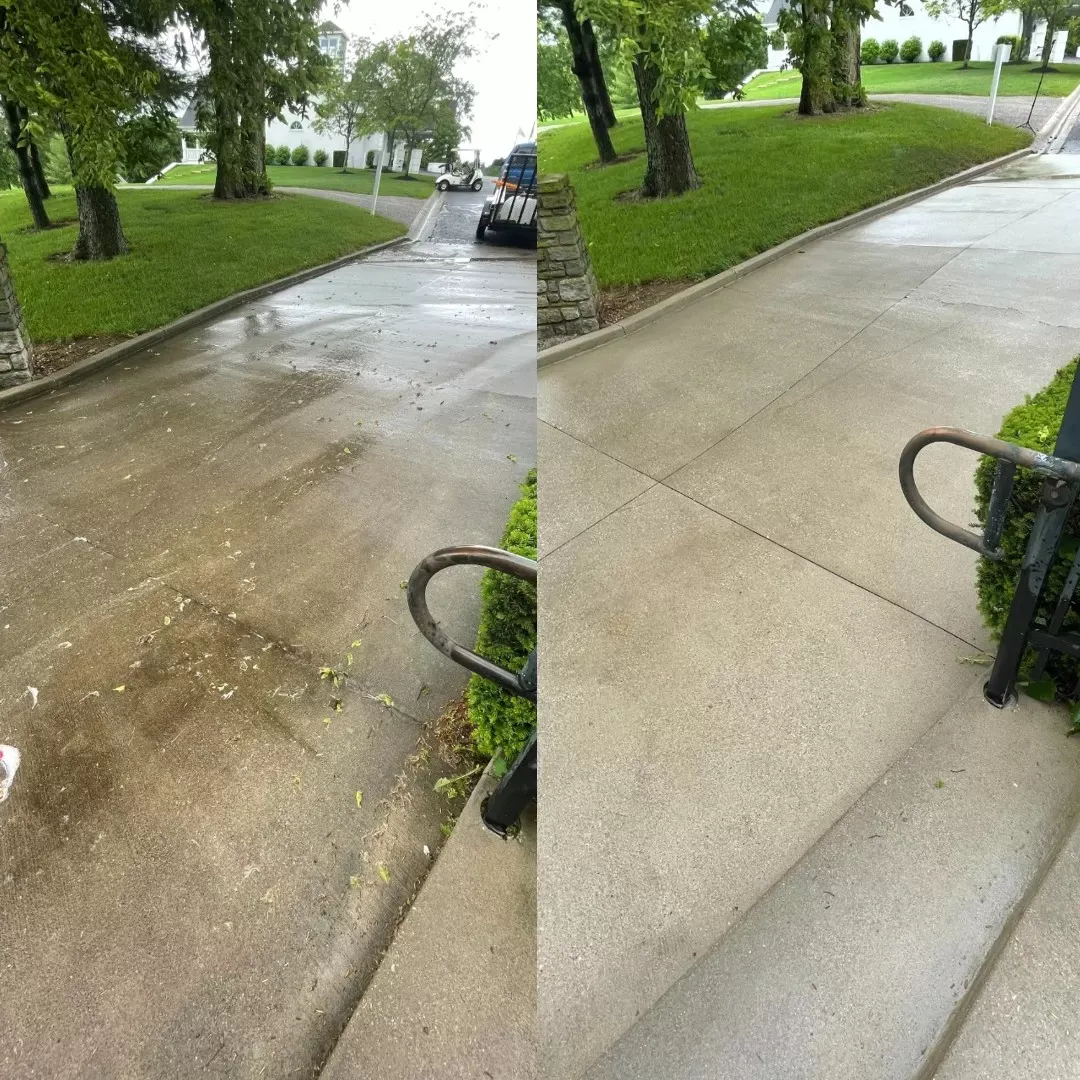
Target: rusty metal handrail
[
  {"x": 494, "y": 559},
  {"x": 1009, "y": 457}
]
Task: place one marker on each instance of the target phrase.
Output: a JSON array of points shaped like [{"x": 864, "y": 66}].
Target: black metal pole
[{"x": 1055, "y": 503}]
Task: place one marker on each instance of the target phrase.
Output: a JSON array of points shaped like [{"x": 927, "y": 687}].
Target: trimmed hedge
[
  {"x": 1034, "y": 424},
  {"x": 300, "y": 155},
  {"x": 320, "y": 158},
  {"x": 936, "y": 51},
  {"x": 889, "y": 50},
  {"x": 283, "y": 155},
  {"x": 911, "y": 50},
  {"x": 502, "y": 722},
  {"x": 871, "y": 51}
]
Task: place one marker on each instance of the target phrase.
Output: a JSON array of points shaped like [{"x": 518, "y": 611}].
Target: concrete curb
[
  {"x": 864, "y": 959},
  {"x": 1059, "y": 124},
  {"x": 14, "y": 395},
  {"x": 424, "y": 221},
  {"x": 588, "y": 342}
]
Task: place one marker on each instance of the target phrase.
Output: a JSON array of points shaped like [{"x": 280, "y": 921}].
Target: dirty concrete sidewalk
[{"x": 207, "y": 845}]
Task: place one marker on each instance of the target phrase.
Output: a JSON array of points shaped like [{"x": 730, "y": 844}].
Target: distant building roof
[
  {"x": 773, "y": 14},
  {"x": 330, "y": 28},
  {"x": 187, "y": 121}
]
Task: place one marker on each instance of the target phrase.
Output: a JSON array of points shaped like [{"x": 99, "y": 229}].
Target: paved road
[
  {"x": 207, "y": 845},
  {"x": 742, "y": 623}
]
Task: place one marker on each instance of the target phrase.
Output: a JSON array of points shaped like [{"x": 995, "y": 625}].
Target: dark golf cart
[{"x": 513, "y": 206}]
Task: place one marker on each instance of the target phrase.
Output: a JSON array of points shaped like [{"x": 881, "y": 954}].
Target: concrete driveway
[
  {"x": 208, "y": 844},
  {"x": 743, "y": 625}
]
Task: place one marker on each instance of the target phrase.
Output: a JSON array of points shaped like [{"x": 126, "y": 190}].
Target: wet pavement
[{"x": 208, "y": 843}]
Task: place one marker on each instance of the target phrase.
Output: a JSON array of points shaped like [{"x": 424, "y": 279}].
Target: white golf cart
[{"x": 463, "y": 172}]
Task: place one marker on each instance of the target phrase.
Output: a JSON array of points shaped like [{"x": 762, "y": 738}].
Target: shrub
[
  {"x": 300, "y": 155},
  {"x": 911, "y": 50},
  {"x": 283, "y": 155},
  {"x": 1034, "y": 424},
  {"x": 1014, "y": 41},
  {"x": 269, "y": 154},
  {"x": 369, "y": 161},
  {"x": 502, "y": 722},
  {"x": 320, "y": 158},
  {"x": 889, "y": 50},
  {"x": 936, "y": 50},
  {"x": 871, "y": 51},
  {"x": 777, "y": 39}
]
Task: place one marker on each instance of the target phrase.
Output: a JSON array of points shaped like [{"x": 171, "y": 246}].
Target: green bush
[
  {"x": 889, "y": 50},
  {"x": 269, "y": 154},
  {"x": 871, "y": 51},
  {"x": 502, "y": 722},
  {"x": 1014, "y": 41},
  {"x": 777, "y": 40},
  {"x": 320, "y": 158},
  {"x": 936, "y": 50},
  {"x": 300, "y": 155},
  {"x": 283, "y": 155},
  {"x": 911, "y": 50},
  {"x": 1034, "y": 424},
  {"x": 369, "y": 161}
]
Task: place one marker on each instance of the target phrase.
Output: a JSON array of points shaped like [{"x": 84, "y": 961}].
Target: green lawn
[
  {"x": 187, "y": 251},
  {"x": 767, "y": 174},
  {"x": 1017, "y": 80},
  {"x": 311, "y": 176}
]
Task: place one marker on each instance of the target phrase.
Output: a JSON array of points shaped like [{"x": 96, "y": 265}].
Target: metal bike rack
[
  {"x": 1024, "y": 628},
  {"x": 517, "y": 788}
]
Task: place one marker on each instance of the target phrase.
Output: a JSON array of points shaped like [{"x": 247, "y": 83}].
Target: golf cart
[
  {"x": 513, "y": 206},
  {"x": 462, "y": 173}
]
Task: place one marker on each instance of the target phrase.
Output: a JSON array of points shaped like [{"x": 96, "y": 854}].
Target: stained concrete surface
[
  {"x": 190, "y": 880},
  {"x": 747, "y": 632}
]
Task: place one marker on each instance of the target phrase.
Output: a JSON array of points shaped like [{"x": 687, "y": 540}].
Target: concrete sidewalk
[{"x": 743, "y": 624}]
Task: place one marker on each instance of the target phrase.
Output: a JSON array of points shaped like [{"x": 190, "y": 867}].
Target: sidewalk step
[
  {"x": 861, "y": 961},
  {"x": 455, "y": 994}
]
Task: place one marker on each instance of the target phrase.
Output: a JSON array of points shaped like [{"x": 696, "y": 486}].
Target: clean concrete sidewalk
[{"x": 743, "y": 624}]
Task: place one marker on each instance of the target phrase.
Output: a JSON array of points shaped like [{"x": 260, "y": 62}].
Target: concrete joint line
[
  {"x": 588, "y": 342},
  {"x": 15, "y": 395}
]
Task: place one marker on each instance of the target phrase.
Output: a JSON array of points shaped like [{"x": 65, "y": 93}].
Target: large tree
[
  {"x": 663, "y": 41},
  {"x": 417, "y": 86},
  {"x": 31, "y": 179},
  {"x": 972, "y": 13},
  {"x": 558, "y": 92}
]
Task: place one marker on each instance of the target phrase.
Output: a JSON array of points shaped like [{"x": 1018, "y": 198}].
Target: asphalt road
[{"x": 208, "y": 844}]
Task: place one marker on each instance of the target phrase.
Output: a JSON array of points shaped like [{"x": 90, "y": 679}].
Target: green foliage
[
  {"x": 56, "y": 161},
  {"x": 269, "y": 154},
  {"x": 871, "y": 51},
  {"x": 890, "y": 50},
  {"x": 283, "y": 155},
  {"x": 936, "y": 51},
  {"x": 735, "y": 44},
  {"x": 1009, "y": 39},
  {"x": 187, "y": 251},
  {"x": 1033, "y": 424},
  {"x": 349, "y": 103},
  {"x": 911, "y": 50},
  {"x": 777, "y": 40},
  {"x": 147, "y": 144},
  {"x": 369, "y": 161},
  {"x": 558, "y": 92},
  {"x": 9, "y": 167},
  {"x": 320, "y": 157},
  {"x": 845, "y": 163},
  {"x": 300, "y": 155},
  {"x": 502, "y": 721}
]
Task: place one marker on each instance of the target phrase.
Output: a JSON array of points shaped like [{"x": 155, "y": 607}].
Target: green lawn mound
[
  {"x": 1017, "y": 80},
  {"x": 767, "y": 175},
  {"x": 360, "y": 181},
  {"x": 187, "y": 251}
]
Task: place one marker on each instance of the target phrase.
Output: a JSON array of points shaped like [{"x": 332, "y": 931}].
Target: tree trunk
[
  {"x": 670, "y": 165},
  {"x": 1048, "y": 39},
  {"x": 100, "y": 233},
  {"x": 253, "y": 139},
  {"x": 967, "y": 51},
  {"x": 26, "y": 168},
  {"x": 1027, "y": 28},
  {"x": 590, "y": 92},
  {"x": 847, "y": 63},
  {"x": 39, "y": 172},
  {"x": 593, "y": 50}
]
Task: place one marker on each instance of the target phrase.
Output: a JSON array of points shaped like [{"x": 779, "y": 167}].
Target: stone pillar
[
  {"x": 16, "y": 359},
  {"x": 566, "y": 290}
]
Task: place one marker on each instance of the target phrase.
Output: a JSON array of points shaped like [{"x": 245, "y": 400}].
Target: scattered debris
[
  {"x": 359, "y": 798},
  {"x": 33, "y": 692},
  {"x": 386, "y": 699},
  {"x": 384, "y": 873}
]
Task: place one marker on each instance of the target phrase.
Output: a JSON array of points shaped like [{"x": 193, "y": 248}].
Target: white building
[
  {"x": 909, "y": 19},
  {"x": 294, "y": 130}
]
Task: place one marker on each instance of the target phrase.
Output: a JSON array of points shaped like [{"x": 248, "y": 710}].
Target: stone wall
[
  {"x": 16, "y": 362},
  {"x": 565, "y": 287}
]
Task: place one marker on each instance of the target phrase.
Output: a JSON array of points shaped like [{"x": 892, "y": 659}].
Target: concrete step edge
[{"x": 865, "y": 957}]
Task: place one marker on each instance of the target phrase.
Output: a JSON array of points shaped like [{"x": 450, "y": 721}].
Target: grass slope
[
  {"x": 311, "y": 176},
  {"x": 766, "y": 175},
  {"x": 187, "y": 251},
  {"x": 1017, "y": 80}
]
